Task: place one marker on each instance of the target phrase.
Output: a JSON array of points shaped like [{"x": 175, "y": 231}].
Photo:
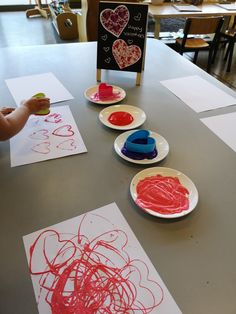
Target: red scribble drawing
[
  {"x": 125, "y": 55},
  {"x": 53, "y": 118},
  {"x": 81, "y": 274},
  {"x": 67, "y": 145},
  {"x": 115, "y": 21},
  {"x": 64, "y": 131},
  {"x": 42, "y": 148},
  {"x": 165, "y": 195},
  {"x": 40, "y": 135}
]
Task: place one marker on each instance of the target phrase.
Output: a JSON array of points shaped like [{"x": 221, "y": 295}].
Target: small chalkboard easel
[{"x": 122, "y": 28}]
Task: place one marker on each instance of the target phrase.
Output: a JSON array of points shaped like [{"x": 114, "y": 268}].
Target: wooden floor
[{"x": 17, "y": 30}]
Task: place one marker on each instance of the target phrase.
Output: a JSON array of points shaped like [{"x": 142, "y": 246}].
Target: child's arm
[{"x": 12, "y": 123}]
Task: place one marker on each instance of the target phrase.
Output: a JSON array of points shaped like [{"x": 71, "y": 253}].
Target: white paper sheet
[
  {"x": 47, "y": 137},
  {"x": 186, "y": 8},
  {"x": 224, "y": 126},
  {"x": 25, "y": 87},
  {"x": 228, "y": 7},
  {"x": 199, "y": 94},
  {"x": 99, "y": 261}
]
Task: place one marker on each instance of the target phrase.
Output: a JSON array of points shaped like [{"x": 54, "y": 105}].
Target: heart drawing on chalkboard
[
  {"x": 125, "y": 55},
  {"x": 115, "y": 21}
]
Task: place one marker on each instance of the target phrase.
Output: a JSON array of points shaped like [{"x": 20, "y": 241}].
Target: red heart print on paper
[
  {"x": 67, "y": 145},
  {"x": 49, "y": 241},
  {"x": 40, "y": 135},
  {"x": 53, "y": 118},
  {"x": 115, "y": 21},
  {"x": 125, "y": 55},
  {"x": 64, "y": 131},
  {"x": 42, "y": 148}
]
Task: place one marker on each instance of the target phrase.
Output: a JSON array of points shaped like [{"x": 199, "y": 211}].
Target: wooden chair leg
[
  {"x": 227, "y": 52},
  {"x": 195, "y": 56},
  {"x": 209, "y": 61},
  {"x": 230, "y": 57}
]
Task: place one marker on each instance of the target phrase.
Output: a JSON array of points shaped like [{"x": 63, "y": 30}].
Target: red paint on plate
[
  {"x": 120, "y": 118},
  {"x": 165, "y": 195}
]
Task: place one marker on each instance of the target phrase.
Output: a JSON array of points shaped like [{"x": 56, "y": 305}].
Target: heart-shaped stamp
[
  {"x": 53, "y": 118},
  {"x": 106, "y": 49},
  {"x": 67, "y": 145},
  {"x": 40, "y": 135},
  {"x": 64, "y": 131},
  {"x": 140, "y": 142},
  {"x": 125, "y": 55},
  {"x": 115, "y": 21},
  {"x": 42, "y": 148}
]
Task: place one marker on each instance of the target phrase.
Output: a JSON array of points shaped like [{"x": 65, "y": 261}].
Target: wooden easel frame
[{"x": 99, "y": 76}]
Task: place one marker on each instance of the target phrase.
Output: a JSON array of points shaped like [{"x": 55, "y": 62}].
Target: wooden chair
[
  {"x": 191, "y": 42},
  {"x": 38, "y": 10}
]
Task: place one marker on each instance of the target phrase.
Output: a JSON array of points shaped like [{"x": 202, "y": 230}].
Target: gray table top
[{"x": 194, "y": 255}]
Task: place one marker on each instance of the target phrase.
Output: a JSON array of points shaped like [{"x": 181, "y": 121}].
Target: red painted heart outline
[
  {"x": 69, "y": 144},
  {"x": 49, "y": 239},
  {"x": 40, "y": 135},
  {"x": 115, "y": 21},
  {"x": 64, "y": 131},
  {"x": 42, "y": 148},
  {"x": 53, "y": 118},
  {"x": 125, "y": 55}
]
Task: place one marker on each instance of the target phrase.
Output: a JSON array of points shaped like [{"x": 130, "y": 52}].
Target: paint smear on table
[
  {"x": 93, "y": 263},
  {"x": 165, "y": 195}
]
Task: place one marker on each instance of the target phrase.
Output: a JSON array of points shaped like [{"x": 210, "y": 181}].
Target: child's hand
[
  {"x": 36, "y": 104},
  {"x": 6, "y": 110}
]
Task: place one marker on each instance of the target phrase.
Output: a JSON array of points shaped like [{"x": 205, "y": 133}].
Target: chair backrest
[{"x": 203, "y": 25}]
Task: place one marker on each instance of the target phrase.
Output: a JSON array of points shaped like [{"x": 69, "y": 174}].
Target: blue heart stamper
[{"x": 139, "y": 145}]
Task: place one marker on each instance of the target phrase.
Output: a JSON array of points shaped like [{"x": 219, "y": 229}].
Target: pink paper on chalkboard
[
  {"x": 115, "y": 21},
  {"x": 125, "y": 55}
]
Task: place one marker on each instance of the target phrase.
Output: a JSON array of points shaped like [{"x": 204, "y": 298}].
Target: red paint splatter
[
  {"x": 92, "y": 276},
  {"x": 120, "y": 118},
  {"x": 165, "y": 195}
]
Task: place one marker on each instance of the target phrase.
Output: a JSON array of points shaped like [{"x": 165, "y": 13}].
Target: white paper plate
[
  {"x": 161, "y": 145},
  {"x": 184, "y": 180},
  {"x": 138, "y": 115},
  {"x": 92, "y": 90}
]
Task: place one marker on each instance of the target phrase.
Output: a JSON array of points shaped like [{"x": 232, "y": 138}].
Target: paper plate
[
  {"x": 161, "y": 145},
  {"x": 166, "y": 172},
  {"x": 138, "y": 115},
  {"x": 92, "y": 90}
]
